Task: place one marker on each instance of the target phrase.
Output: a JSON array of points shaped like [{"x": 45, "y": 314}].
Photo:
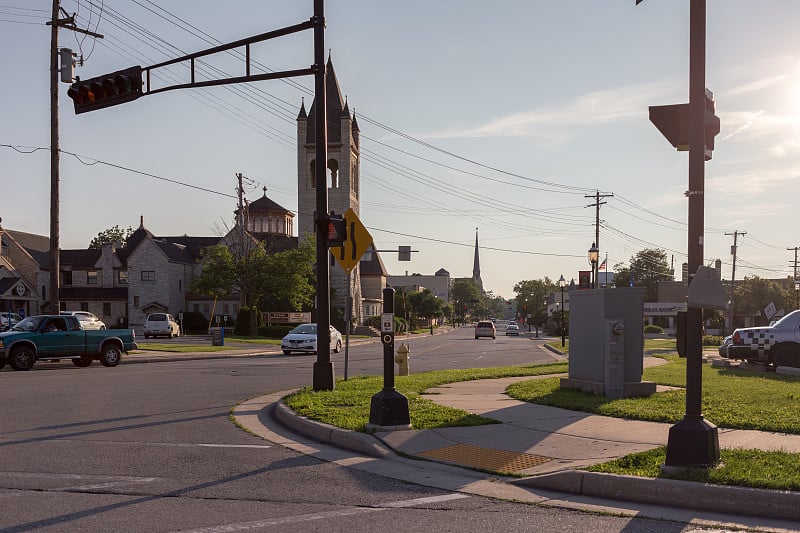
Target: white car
[
  {"x": 4, "y": 320},
  {"x": 512, "y": 329},
  {"x": 161, "y": 324},
  {"x": 87, "y": 319},
  {"x": 303, "y": 338}
]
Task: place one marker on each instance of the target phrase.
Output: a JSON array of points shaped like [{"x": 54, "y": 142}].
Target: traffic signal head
[
  {"x": 337, "y": 231},
  {"x": 105, "y": 91}
]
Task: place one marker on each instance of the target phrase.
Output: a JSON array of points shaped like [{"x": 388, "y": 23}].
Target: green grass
[
  {"x": 649, "y": 345},
  {"x": 252, "y": 340},
  {"x": 744, "y": 468},
  {"x": 179, "y": 348},
  {"x": 347, "y": 406},
  {"x": 732, "y": 398}
]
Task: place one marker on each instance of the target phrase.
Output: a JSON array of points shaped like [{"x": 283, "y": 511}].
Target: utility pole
[
  {"x": 240, "y": 196},
  {"x": 597, "y": 203},
  {"x": 55, "y": 152},
  {"x": 794, "y": 279},
  {"x": 733, "y": 276}
]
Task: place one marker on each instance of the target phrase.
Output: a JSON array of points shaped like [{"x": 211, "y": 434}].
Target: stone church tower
[{"x": 343, "y": 179}]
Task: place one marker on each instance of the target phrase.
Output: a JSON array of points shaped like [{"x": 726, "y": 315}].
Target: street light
[
  {"x": 561, "y": 283},
  {"x": 594, "y": 253}
]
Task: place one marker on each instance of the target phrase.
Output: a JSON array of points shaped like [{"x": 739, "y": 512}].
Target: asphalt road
[{"x": 150, "y": 447}]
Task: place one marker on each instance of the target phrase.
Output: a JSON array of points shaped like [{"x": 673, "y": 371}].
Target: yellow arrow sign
[{"x": 358, "y": 241}]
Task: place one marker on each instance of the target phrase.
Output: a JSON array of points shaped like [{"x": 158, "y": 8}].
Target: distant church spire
[{"x": 476, "y": 265}]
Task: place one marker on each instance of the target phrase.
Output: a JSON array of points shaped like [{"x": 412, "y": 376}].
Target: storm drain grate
[{"x": 486, "y": 458}]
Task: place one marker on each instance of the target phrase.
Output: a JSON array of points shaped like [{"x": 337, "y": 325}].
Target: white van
[{"x": 161, "y": 324}]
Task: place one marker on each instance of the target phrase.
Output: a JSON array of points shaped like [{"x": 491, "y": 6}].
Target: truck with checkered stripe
[{"x": 777, "y": 345}]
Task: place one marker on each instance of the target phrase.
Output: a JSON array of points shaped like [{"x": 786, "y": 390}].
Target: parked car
[
  {"x": 87, "y": 319},
  {"x": 303, "y": 338},
  {"x": 512, "y": 329},
  {"x": 4, "y": 320},
  {"x": 723, "y": 348},
  {"x": 56, "y": 337},
  {"x": 485, "y": 328},
  {"x": 161, "y": 325}
]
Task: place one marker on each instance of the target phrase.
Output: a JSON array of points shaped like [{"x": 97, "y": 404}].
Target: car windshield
[
  {"x": 157, "y": 318},
  {"x": 308, "y": 329},
  {"x": 31, "y": 323}
]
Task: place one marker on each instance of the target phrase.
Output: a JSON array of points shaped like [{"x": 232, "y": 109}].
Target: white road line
[
  {"x": 232, "y": 445},
  {"x": 347, "y": 511},
  {"x": 94, "y": 482}
]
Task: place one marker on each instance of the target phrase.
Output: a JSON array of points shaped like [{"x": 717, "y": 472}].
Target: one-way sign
[{"x": 358, "y": 241}]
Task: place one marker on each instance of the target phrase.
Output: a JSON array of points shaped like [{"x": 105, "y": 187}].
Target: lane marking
[{"x": 347, "y": 511}]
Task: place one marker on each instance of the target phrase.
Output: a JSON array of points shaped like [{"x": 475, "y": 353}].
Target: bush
[
  {"x": 712, "y": 340},
  {"x": 652, "y": 328},
  {"x": 274, "y": 332},
  {"x": 194, "y": 322},
  {"x": 243, "y": 321}
]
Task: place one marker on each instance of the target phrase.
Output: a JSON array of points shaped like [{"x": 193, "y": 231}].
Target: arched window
[
  {"x": 333, "y": 166},
  {"x": 312, "y": 176}
]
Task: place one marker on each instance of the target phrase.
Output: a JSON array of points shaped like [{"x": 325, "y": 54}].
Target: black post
[
  {"x": 388, "y": 408},
  {"x": 323, "y": 367},
  {"x": 563, "y": 341},
  {"x": 694, "y": 442}
]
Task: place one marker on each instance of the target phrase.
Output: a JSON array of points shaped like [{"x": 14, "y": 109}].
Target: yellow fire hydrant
[{"x": 402, "y": 359}]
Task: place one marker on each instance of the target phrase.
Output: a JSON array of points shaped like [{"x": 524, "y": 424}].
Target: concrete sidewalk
[{"x": 546, "y": 447}]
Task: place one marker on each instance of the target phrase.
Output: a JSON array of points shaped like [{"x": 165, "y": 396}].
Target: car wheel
[
  {"x": 102, "y": 327},
  {"x": 787, "y": 355},
  {"x": 111, "y": 355},
  {"x": 338, "y": 347},
  {"x": 82, "y": 362},
  {"x": 22, "y": 358},
  {"x": 287, "y": 352}
]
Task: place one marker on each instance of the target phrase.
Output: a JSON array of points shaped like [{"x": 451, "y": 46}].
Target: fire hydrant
[{"x": 402, "y": 359}]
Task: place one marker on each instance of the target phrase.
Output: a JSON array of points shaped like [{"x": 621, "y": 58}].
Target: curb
[
  {"x": 344, "y": 438},
  {"x": 672, "y": 493}
]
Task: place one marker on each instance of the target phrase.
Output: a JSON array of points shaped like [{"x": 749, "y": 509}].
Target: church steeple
[{"x": 476, "y": 265}]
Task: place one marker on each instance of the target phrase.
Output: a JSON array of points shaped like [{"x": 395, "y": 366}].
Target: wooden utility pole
[
  {"x": 55, "y": 152},
  {"x": 734, "y": 249},
  {"x": 597, "y": 203}
]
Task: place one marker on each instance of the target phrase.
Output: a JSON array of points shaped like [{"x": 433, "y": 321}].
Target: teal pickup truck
[{"x": 56, "y": 337}]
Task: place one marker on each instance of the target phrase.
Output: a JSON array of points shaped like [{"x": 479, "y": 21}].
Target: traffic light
[
  {"x": 712, "y": 124},
  {"x": 673, "y": 122},
  {"x": 104, "y": 91},
  {"x": 337, "y": 231}
]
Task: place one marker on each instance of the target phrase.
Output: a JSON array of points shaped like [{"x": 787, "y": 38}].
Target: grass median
[{"x": 347, "y": 406}]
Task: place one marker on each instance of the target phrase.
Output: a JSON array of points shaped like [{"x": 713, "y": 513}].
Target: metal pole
[
  {"x": 563, "y": 341},
  {"x": 694, "y": 442},
  {"x": 323, "y": 367},
  {"x": 55, "y": 156},
  {"x": 348, "y": 319}
]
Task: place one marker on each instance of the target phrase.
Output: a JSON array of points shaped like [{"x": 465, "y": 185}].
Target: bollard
[{"x": 402, "y": 359}]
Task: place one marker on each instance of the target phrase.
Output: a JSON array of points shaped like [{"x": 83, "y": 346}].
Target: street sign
[{"x": 358, "y": 241}]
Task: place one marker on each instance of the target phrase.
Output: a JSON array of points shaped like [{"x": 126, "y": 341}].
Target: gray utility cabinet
[{"x": 606, "y": 342}]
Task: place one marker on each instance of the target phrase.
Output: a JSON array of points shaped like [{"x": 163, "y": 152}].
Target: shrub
[
  {"x": 274, "y": 332},
  {"x": 243, "y": 321},
  {"x": 194, "y": 322},
  {"x": 712, "y": 340},
  {"x": 652, "y": 328}
]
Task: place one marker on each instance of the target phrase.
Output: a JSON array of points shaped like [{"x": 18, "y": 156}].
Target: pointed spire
[
  {"x": 302, "y": 114},
  {"x": 355, "y": 122},
  {"x": 476, "y": 265},
  {"x": 346, "y": 109}
]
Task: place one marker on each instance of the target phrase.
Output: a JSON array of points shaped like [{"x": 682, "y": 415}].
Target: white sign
[
  {"x": 770, "y": 310},
  {"x": 387, "y": 323}
]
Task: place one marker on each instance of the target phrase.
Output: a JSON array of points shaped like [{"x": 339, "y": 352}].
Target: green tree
[
  {"x": 530, "y": 298},
  {"x": 115, "y": 234},
  {"x": 287, "y": 281},
  {"x": 495, "y": 305},
  {"x": 646, "y": 268},
  {"x": 425, "y": 304},
  {"x": 223, "y": 273},
  {"x": 753, "y": 294},
  {"x": 466, "y": 295}
]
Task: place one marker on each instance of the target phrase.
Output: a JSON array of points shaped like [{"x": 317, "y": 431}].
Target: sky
[{"x": 503, "y": 118}]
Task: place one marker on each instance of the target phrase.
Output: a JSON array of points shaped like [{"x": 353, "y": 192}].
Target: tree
[
  {"x": 467, "y": 296},
  {"x": 287, "y": 281},
  {"x": 115, "y": 234},
  {"x": 425, "y": 304},
  {"x": 495, "y": 305},
  {"x": 530, "y": 298},
  {"x": 223, "y": 273},
  {"x": 753, "y": 294},
  {"x": 646, "y": 269}
]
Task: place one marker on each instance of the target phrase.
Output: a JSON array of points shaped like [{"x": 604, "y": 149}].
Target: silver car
[
  {"x": 88, "y": 320},
  {"x": 303, "y": 338}
]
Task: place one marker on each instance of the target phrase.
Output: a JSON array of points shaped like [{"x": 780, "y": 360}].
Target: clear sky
[{"x": 499, "y": 116}]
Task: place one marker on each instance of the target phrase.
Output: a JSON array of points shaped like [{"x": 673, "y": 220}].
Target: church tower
[
  {"x": 476, "y": 265},
  {"x": 343, "y": 178}
]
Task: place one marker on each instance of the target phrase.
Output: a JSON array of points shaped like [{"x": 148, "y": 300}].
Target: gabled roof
[
  {"x": 442, "y": 272},
  {"x": 373, "y": 267},
  {"x": 193, "y": 245},
  {"x": 176, "y": 253},
  {"x": 30, "y": 241},
  {"x": 80, "y": 259},
  {"x": 7, "y": 283}
]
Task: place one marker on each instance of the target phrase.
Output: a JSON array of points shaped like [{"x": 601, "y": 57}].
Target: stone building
[{"x": 343, "y": 178}]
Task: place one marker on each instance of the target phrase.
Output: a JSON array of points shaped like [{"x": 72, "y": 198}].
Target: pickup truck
[
  {"x": 778, "y": 344},
  {"x": 56, "y": 337}
]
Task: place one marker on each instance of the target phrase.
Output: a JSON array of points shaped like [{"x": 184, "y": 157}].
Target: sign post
[{"x": 388, "y": 408}]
